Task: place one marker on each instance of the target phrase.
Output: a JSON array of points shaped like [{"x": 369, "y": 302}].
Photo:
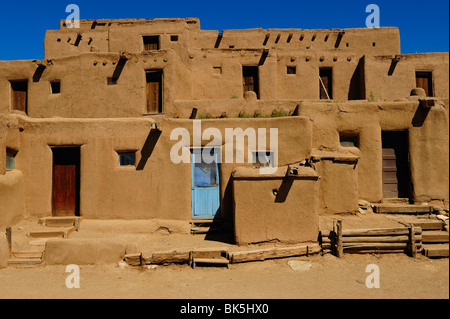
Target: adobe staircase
[
  {"x": 28, "y": 251},
  {"x": 435, "y": 235}
]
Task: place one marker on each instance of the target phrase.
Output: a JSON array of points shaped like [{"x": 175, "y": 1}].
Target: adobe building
[{"x": 87, "y": 130}]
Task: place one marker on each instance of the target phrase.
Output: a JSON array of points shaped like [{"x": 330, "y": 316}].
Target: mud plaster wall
[
  {"x": 161, "y": 189},
  {"x": 387, "y": 81},
  {"x": 12, "y": 203},
  {"x": 428, "y": 138},
  {"x": 190, "y": 68},
  {"x": 293, "y": 220}
]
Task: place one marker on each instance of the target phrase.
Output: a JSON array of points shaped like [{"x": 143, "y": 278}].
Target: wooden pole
[
  {"x": 9, "y": 238},
  {"x": 339, "y": 247},
  {"x": 412, "y": 242}
]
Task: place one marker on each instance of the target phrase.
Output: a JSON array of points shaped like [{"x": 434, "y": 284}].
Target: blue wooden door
[{"x": 205, "y": 184}]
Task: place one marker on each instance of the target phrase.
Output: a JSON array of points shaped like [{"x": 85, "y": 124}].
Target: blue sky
[{"x": 424, "y": 25}]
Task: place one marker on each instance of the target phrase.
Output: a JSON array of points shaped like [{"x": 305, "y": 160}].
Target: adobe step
[
  {"x": 402, "y": 209},
  {"x": 210, "y": 256},
  {"x": 63, "y": 233},
  {"x": 61, "y": 221}
]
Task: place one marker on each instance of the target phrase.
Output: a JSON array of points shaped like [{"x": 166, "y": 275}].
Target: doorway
[
  {"x": 205, "y": 183},
  {"x": 66, "y": 181},
  {"x": 396, "y": 165}
]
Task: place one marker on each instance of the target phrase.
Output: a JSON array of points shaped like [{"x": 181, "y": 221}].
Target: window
[
  {"x": 263, "y": 159},
  {"x": 10, "y": 158},
  {"x": 55, "y": 87},
  {"x": 424, "y": 80},
  {"x": 154, "y": 80},
  {"x": 174, "y": 38},
  {"x": 19, "y": 95},
  {"x": 127, "y": 158},
  {"x": 250, "y": 79},
  {"x": 291, "y": 70},
  {"x": 217, "y": 70},
  {"x": 326, "y": 83},
  {"x": 151, "y": 42},
  {"x": 349, "y": 140}
]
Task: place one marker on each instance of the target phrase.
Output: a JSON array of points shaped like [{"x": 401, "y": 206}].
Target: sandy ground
[{"x": 328, "y": 277}]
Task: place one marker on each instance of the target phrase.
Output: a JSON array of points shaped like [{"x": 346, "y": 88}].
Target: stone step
[
  {"x": 434, "y": 236},
  {"x": 436, "y": 250}
]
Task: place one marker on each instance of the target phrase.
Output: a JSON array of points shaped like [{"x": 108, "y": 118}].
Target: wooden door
[
  {"x": 250, "y": 79},
  {"x": 205, "y": 185},
  {"x": 396, "y": 167},
  {"x": 326, "y": 82},
  {"x": 154, "y": 91},
  {"x": 424, "y": 80},
  {"x": 19, "y": 95},
  {"x": 65, "y": 181}
]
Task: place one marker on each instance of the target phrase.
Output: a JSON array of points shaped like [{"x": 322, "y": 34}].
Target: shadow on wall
[
  {"x": 148, "y": 147},
  {"x": 420, "y": 116}
]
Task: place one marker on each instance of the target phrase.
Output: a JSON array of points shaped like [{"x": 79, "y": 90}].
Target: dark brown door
[
  {"x": 154, "y": 91},
  {"x": 396, "y": 168},
  {"x": 424, "y": 80},
  {"x": 250, "y": 79},
  {"x": 19, "y": 95},
  {"x": 326, "y": 81},
  {"x": 66, "y": 181}
]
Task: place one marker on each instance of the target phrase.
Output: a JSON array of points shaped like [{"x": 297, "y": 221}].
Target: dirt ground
[{"x": 328, "y": 277}]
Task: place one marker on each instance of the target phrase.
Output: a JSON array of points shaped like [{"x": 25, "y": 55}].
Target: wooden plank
[
  {"x": 375, "y": 239},
  {"x": 339, "y": 249},
  {"x": 425, "y": 224},
  {"x": 412, "y": 242},
  {"x": 374, "y": 232},
  {"x": 223, "y": 261},
  {"x": 377, "y": 246},
  {"x": 276, "y": 252},
  {"x": 403, "y": 209},
  {"x": 435, "y": 237},
  {"x": 436, "y": 250}
]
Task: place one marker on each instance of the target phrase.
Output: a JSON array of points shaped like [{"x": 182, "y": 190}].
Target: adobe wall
[
  {"x": 387, "y": 81},
  {"x": 279, "y": 216},
  {"x": 159, "y": 189},
  {"x": 12, "y": 207},
  {"x": 428, "y": 138}
]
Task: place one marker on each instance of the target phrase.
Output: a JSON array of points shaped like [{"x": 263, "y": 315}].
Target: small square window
[
  {"x": 127, "y": 158},
  {"x": 151, "y": 42},
  {"x": 291, "y": 70},
  {"x": 217, "y": 70},
  {"x": 174, "y": 38},
  {"x": 347, "y": 140},
  {"x": 263, "y": 159},
  {"x": 10, "y": 158},
  {"x": 55, "y": 87}
]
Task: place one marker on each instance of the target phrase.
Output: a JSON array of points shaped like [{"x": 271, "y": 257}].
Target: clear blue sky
[{"x": 424, "y": 25}]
